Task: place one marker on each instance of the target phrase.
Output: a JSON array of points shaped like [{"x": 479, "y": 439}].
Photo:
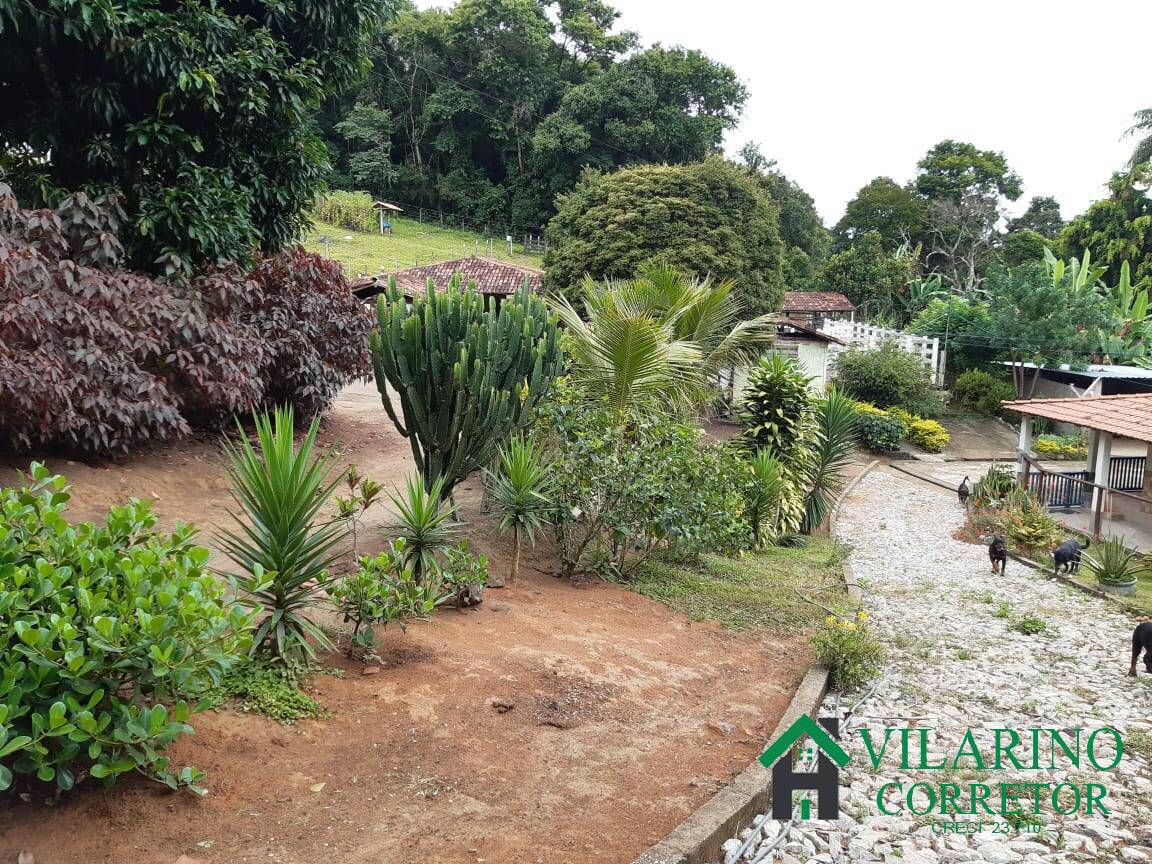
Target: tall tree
[
  {"x": 805, "y": 238},
  {"x": 1041, "y": 316},
  {"x": 1142, "y": 127},
  {"x": 893, "y": 211},
  {"x": 707, "y": 218},
  {"x": 964, "y": 188},
  {"x": 869, "y": 275},
  {"x": 199, "y": 114},
  {"x": 1116, "y": 229},
  {"x": 1042, "y": 216},
  {"x": 955, "y": 170}
]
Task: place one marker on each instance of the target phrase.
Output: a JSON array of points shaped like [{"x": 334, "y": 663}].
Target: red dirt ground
[{"x": 625, "y": 716}]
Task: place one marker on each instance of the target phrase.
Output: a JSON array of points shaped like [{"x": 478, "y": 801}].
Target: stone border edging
[
  {"x": 699, "y": 838},
  {"x": 1130, "y": 608}
]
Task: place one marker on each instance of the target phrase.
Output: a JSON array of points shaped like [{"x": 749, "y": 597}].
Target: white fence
[{"x": 869, "y": 337}]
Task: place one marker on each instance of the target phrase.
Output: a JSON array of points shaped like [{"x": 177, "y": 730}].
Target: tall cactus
[{"x": 466, "y": 377}]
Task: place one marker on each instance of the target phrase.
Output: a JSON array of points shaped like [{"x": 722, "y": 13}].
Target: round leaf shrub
[
  {"x": 105, "y": 632},
  {"x": 888, "y": 377},
  {"x": 982, "y": 392},
  {"x": 880, "y": 433}
]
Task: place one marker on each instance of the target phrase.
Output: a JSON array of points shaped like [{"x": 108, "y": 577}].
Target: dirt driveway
[{"x": 624, "y": 717}]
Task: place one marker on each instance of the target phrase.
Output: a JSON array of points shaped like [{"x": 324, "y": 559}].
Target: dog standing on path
[
  {"x": 1067, "y": 556},
  {"x": 1142, "y": 641},
  {"x": 998, "y": 553}
]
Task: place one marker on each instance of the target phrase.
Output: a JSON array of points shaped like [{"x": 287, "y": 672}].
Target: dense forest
[{"x": 491, "y": 108}]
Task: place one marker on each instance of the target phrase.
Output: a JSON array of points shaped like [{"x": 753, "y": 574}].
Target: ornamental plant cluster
[
  {"x": 99, "y": 358},
  {"x": 881, "y": 430}
]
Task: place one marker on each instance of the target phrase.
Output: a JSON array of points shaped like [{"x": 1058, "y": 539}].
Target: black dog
[
  {"x": 1142, "y": 641},
  {"x": 998, "y": 553},
  {"x": 1067, "y": 555},
  {"x": 962, "y": 492}
]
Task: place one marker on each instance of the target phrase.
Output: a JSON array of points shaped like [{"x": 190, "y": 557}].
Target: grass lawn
[
  {"x": 756, "y": 591},
  {"x": 411, "y": 244},
  {"x": 1142, "y": 599}
]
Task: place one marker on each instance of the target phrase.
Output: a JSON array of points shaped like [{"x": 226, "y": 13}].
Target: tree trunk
[{"x": 515, "y": 554}]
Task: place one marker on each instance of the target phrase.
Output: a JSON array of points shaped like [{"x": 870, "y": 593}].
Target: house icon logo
[{"x": 825, "y": 780}]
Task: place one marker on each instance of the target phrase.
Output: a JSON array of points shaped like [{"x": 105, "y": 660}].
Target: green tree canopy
[
  {"x": 954, "y": 170},
  {"x": 498, "y": 105},
  {"x": 1036, "y": 317},
  {"x": 1115, "y": 229},
  {"x": 199, "y": 114},
  {"x": 1042, "y": 216},
  {"x": 893, "y": 211},
  {"x": 706, "y": 218},
  {"x": 1022, "y": 247},
  {"x": 869, "y": 275}
]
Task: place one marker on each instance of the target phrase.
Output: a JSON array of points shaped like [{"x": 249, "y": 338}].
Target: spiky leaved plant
[
  {"x": 426, "y": 523},
  {"x": 466, "y": 376},
  {"x": 836, "y": 418},
  {"x": 520, "y": 492},
  {"x": 281, "y": 540}
]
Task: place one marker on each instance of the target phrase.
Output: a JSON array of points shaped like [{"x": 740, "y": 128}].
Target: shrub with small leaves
[
  {"x": 384, "y": 590},
  {"x": 982, "y": 392},
  {"x": 104, "y": 633},
  {"x": 463, "y": 575},
  {"x": 850, "y": 651},
  {"x": 880, "y": 433}
]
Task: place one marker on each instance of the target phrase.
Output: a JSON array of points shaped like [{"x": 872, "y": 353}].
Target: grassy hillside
[{"x": 410, "y": 244}]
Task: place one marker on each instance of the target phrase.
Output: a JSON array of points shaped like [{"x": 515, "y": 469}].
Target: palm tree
[
  {"x": 1143, "y": 127},
  {"x": 664, "y": 335}
]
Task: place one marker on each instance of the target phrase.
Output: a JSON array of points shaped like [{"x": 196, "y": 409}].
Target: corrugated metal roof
[
  {"x": 1094, "y": 370},
  {"x": 1129, "y": 416},
  {"x": 816, "y": 301}
]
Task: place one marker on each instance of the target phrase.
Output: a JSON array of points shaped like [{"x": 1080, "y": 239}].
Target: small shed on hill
[
  {"x": 813, "y": 308},
  {"x": 492, "y": 278}
]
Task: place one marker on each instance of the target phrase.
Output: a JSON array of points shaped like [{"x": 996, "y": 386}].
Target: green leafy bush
[
  {"x": 624, "y": 491},
  {"x": 888, "y": 377},
  {"x": 966, "y": 327},
  {"x": 384, "y": 590},
  {"x": 520, "y": 492},
  {"x": 1061, "y": 447},
  {"x": 463, "y": 575},
  {"x": 982, "y": 392},
  {"x": 351, "y": 210},
  {"x": 997, "y": 482},
  {"x": 779, "y": 411},
  {"x": 849, "y": 650},
  {"x": 928, "y": 435},
  {"x": 1029, "y": 625},
  {"x": 880, "y": 432},
  {"x": 104, "y": 632},
  {"x": 259, "y": 688}
]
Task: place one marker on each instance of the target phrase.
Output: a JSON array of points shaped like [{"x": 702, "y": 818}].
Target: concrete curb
[{"x": 698, "y": 839}]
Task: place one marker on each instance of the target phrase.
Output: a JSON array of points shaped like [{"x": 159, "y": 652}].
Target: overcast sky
[{"x": 845, "y": 91}]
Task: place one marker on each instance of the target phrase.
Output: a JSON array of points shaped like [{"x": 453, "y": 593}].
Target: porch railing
[{"x": 1074, "y": 488}]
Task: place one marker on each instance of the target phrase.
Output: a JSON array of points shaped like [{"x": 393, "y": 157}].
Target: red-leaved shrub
[{"x": 101, "y": 359}]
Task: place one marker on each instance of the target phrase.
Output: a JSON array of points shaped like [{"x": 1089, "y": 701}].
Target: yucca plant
[
  {"x": 426, "y": 523},
  {"x": 281, "y": 541},
  {"x": 836, "y": 417},
  {"x": 1113, "y": 563},
  {"x": 764, "y": 498},
  {"x": 520, "y": 491}
]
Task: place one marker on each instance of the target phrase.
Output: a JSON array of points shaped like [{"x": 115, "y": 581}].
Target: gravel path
[{"x": 954, "y": 664}]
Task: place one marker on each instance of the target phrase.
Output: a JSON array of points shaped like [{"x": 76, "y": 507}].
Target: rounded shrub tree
[{"x": 706, "y": 218}]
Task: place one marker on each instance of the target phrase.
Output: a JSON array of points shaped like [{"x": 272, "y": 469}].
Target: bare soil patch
[{"x": 557, "y": 722}]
